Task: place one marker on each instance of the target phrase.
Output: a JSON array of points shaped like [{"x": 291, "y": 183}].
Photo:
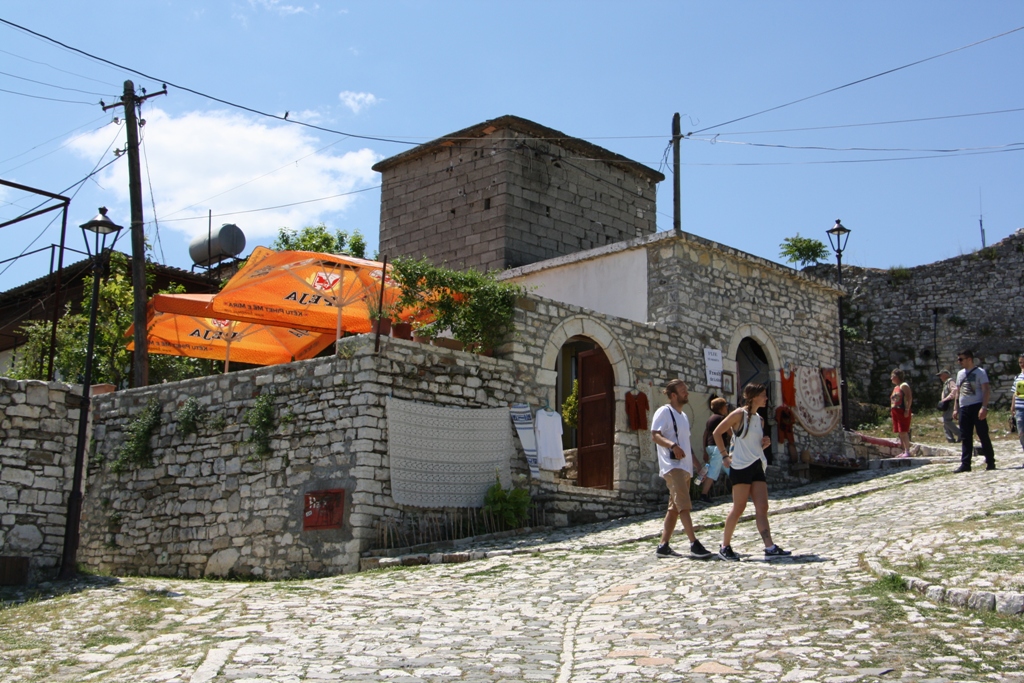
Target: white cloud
[
  {"x": 227, "y": 162},
  {"x": 357, "y": 101},
  {"x": 277, "y": 6}
]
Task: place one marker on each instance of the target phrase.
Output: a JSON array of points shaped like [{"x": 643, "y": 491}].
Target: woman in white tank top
[{"x": 747, "y": 466}]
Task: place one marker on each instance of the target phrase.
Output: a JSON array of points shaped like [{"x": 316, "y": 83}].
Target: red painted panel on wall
[{"x": 323, "y": 510}]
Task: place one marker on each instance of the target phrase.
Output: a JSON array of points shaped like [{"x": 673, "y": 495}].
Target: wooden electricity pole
[
  {"x": 677, "y": 219},
  {"x": 130, "y": 102}
]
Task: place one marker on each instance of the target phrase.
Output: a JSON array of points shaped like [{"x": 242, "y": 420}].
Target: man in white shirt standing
[{"x": 670, "y": 429}]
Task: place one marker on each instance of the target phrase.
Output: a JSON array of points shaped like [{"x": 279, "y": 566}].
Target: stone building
[
  {"x": 508, "y": 192},
  {"x": 611, "y": 303}
]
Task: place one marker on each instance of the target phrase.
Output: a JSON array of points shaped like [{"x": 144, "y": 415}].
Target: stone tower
[{"x": 508, "y": 192}]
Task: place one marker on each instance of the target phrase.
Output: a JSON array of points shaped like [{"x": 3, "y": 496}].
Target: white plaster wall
[{"x": 615, "y": 284}]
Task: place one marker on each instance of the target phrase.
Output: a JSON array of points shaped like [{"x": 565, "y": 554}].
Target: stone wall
[
  {"x": 711, "y": 296},
  {"x": 505, "y": 198},
  {"x": 208, "y": 506},
  {"x": 918, "y": 318},
  {"x": 38, "y": 428}
]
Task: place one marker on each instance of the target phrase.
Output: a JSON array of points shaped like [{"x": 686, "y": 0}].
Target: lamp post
[
  {"x": 101, "y": 226},
  {"x": 838, "y": 236}
]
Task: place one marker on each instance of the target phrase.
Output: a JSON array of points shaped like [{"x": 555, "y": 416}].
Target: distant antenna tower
[{"x": 981, "y": 223}]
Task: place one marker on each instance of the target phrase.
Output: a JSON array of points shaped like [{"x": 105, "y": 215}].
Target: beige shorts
[{"x": 678, "y": 481}]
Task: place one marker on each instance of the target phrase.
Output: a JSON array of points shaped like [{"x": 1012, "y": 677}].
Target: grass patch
[
  {"x": 490, "y": 571},
  {"x": 890, "y": 583},
  {"x": 104, "y": 639},
  {"x": 927, "y": 428}
]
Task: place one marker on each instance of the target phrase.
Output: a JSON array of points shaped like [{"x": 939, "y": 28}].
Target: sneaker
[
  {"x": 990, "y": 467},
  {"x": 903, "y": 455},
  {"x": 726, "y": 553},
  {"x": 960, "y": 469},
  {"x": 706, "y": 498},
  {"x": 665, "y": 551},
  {"x": 698, "y": 551},
  {"x": 776, "y": 551}
]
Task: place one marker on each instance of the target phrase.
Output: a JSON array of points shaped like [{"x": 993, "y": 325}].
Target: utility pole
[
  {"x": 677, "y": 219},
  {"x": 130, "y": 102},
  {"x": 981, "y": 223}
]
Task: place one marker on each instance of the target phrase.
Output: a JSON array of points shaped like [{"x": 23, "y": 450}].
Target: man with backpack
[{"x": 971, "y": 405}]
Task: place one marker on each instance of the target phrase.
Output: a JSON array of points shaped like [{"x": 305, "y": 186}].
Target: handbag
[{"x": 944, "y": 405}]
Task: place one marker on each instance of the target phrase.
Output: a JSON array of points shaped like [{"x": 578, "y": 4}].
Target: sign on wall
[{"x": 713, "y": 366}]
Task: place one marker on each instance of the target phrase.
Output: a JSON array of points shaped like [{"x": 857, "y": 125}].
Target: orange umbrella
[
  {"x": 186, "y": 326},
  {"x": 305, "y": 289}
]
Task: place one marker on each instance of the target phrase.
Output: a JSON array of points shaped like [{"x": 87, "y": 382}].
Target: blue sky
[{"x": 612, "y": 73}]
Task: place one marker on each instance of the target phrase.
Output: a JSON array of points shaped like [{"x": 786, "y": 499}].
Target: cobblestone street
[{"x": 594, "y": 604}]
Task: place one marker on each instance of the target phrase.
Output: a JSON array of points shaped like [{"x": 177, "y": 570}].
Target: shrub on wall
[
  {"x": 260, "y": 418},
  {"x": 473, "y": 306},
  {"x": 137, "y": 450}
]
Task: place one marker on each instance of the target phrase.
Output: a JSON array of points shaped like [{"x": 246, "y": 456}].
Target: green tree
[
  {"x": 319, "y": 238},
  {"x": 806, "y": 251},
  {"x": 112, "y": 361}
]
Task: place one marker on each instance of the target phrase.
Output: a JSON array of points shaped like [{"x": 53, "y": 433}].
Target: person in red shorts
[{"x": 900, "y": 401}]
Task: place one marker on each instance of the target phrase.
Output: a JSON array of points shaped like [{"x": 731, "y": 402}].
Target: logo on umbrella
[{"x": 325, "y": 281}]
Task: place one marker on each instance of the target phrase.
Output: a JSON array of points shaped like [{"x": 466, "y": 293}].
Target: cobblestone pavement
[{"x": 582, "y": 605}]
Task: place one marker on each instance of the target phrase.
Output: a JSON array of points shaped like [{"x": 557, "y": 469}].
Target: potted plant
[
  {"x": 380, "y": 316},
  {"x": 400, "y": 329},
  {"x": 473, "y": 307}
]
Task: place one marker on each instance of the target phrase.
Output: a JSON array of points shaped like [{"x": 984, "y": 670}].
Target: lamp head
[
  {"x": 101, "y": 224},
  {"x": 838, "y": 236}
]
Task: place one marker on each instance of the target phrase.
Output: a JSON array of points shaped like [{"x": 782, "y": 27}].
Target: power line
[
  {"x": 271, "y": 208},
  {"x": 70, "y": 73},
  {"x": 40, "y": 97},
  {"x": 96, "y": 169},
  {"x": 874, "y": 123},
  {"x": 252, "y": 180},
  {"x": 51, "y": 85},
  {"x": 852, "y": 83},
  {"x": 855, "y": 161},
  {"x": 152, "y": 197},
  {"x": 716, "y": 141},
  {"x": 7, "y": 170},
  {"x": 201, "y": 94}
]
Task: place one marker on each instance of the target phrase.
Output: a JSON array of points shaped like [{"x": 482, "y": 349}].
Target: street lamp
[
  {"x": 101, "y": 226},
  {"x": 838, "y": 236}
]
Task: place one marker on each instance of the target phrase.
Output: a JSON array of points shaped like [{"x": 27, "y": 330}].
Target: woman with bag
[
  {"x": 712, "y": 456},
  {"x": 747, "y": 467}
]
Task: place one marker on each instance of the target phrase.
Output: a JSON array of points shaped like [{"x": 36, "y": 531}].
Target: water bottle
[{"x": 700, "y": 475}]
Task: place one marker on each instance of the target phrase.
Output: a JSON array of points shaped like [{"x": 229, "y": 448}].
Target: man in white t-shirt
[{"x": 670, "y": 429}]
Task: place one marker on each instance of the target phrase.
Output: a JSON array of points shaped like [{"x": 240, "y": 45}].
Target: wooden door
[{"x": 596, "y": 426}]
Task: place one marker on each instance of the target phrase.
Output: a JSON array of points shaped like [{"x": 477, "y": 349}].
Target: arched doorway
[
  {"x": 583, "y": 360},
  {"x": 752, "y": 365}
]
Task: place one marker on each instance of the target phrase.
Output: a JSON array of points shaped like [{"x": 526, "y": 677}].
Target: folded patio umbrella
[{"x": 185, "y": 325}]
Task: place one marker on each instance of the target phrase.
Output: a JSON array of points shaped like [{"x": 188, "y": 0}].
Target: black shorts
[{"x": 748, "y": 475}]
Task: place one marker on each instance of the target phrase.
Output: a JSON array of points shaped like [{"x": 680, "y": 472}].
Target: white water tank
[{"x": 224, "y": 242}]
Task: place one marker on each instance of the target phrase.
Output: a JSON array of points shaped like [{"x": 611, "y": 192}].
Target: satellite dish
[{"x": 225, "y": 242}]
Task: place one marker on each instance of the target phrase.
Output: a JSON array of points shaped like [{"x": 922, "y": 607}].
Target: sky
[{"x": 776, "y": 145}]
